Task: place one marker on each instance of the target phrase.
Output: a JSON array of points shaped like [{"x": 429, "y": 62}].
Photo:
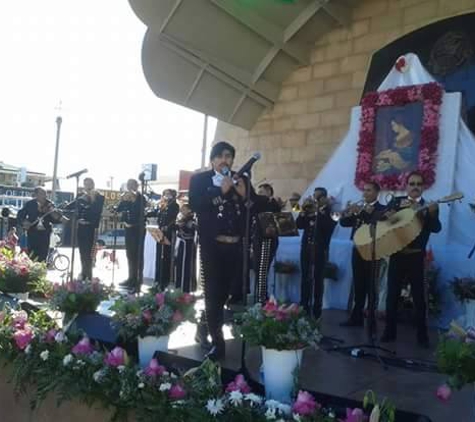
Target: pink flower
[
  {"x": 305, "y": 404},
  {"x": 177, "y": 316},
  {"x": 293, "y": 309},
  {"x": 239, "y": 384},
  {"x": 186, "y": 298},
  {"x": 23, "y": 338},
  {"x": 176, "y": 392},
  {"x": 444, "y": 392},
  {"x": 271, "y": 306},
  {"x": 147, "y": 316},
  {"x": 50, "y": 335},
  {"x": 117, "y": 357},
  {"x": 354, "y": 415},
  {"x": 154, "y": 369},
  {"x": 84, "y": 347},
  {"x": 160, "y": 299},
  {"x": 19, "y": 319}
]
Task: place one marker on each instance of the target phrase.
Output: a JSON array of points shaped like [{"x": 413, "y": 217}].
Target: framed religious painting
[{"x": 399, "y": 134}]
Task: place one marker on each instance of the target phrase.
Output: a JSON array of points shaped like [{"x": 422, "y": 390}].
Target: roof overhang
[{"x": 228, "y": 58}]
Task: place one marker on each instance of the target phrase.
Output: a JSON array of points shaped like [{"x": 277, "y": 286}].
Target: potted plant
[
  {"x": 456, "y": 358},
  {"x": 464, "y": 290},
  {"x": 78, "y": 297},
  {"x": 282, "y": 332},
  {"x": 18, "y": 272},
  {"x": 152, "y": 318}
]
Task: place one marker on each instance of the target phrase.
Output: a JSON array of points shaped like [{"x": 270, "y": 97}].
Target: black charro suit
[
  {"x": 408, "y": 265},
  {"x": 362, "y": 270}
]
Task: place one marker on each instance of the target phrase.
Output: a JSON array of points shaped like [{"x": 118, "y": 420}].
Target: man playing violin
[
  {"x": 408, "y": 264},
  {"x": 37, "y": 217}
]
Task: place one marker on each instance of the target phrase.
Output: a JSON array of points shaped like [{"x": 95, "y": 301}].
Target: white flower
[
  {"x": 296, "y": 417},
  {"x": 28, "y": 349},
  {"x": 165, "y": 386},
  {"x": 235, "y": 397},
  {"x": 139, "y": 373},
  {"x": 272, "y": 404},
  {"x": 166, "y": 373},
  {"x": 44, "y": 355},
  {"x": 121, "y": 368},
  {"x": 97, "y": 376},
  {"x": 81, "y": 362},
  {"x": 172, "y": 376},
  {"x": 253, "y": 398},
  {"x": 215, "y": 406},
  {"x": 141, "y": 385},
  {"x": 67, "y": 359},
  {"x": 59, "y": 337},
  {"x": 285, "y": 408},
  {"x": 270, "y": 413}
]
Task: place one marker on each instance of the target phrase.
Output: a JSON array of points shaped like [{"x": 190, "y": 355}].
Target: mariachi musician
[
  {"x": 355, "y": 215},
  {"x": 185, "y": 250},
  {"x": 37, "y": 217},
  {"x": 166, "y": 215},
  {"x": 264, "y": 246},
  {"x": 316, "y": 221},
  {"x": 132, "y": 208},
  {"x": 89, "y": 206}
]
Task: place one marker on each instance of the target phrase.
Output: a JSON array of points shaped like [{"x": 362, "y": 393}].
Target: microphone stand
[
  {"x": 74, "y": 222},
  {"x": 114, "y": 246}
]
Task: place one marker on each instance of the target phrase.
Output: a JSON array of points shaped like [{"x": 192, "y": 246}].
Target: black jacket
[
  {"x": 218, "y": 214},
  {"x": 132, "y": 211},
  {"x": 30, "y": 212},
  {"x": 317, "y": 229},
  {"x": 357, "y": 220},
  {"x": 430, "y": 224}
]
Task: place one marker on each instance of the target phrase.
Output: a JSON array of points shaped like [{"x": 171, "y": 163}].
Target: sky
[{"x": 86, "y": 54}]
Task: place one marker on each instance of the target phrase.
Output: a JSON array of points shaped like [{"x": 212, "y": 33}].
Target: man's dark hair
[
  {"x": 415, "y": 173},
  {"x": 219, "y": 148},
  {"x": 267, "y": 187},
  {"x": 322, "y": 190},
  {"x": 38, "y": 189},
  {"x": 375, "y": 185}
]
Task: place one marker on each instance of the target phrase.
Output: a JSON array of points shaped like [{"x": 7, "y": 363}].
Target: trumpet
[{"x": 351, "y": 208}]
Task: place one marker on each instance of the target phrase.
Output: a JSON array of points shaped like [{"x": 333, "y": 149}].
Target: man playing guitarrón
[{"x": 408, "y": 264}]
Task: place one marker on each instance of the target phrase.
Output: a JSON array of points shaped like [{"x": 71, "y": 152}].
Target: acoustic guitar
[{"x": 395, "y": 233}]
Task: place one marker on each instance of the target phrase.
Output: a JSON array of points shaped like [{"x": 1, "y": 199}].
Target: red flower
[
  {"x": 369, "y": 99},
  {"x": 401, "y": 64}
]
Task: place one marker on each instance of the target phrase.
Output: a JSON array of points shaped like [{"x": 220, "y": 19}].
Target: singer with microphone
[{"x": 217, "y": 197}]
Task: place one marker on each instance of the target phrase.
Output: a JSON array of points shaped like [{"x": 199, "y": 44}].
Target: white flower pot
[
  {"x": 149, "y": 345},
  {"x": 470, "y": 313},
  {"x": 279, "y": 367},
  {"x": 20, "y": 296}
]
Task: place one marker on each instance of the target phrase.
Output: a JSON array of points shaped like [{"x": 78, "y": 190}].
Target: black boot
[{"x": 218, "y": 351}]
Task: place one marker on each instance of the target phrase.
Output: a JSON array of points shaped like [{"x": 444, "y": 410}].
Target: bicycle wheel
[{"x": 61, "y": 262}]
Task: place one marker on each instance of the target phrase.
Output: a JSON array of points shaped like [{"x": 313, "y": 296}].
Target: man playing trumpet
[{"x": 355, "y": 216}]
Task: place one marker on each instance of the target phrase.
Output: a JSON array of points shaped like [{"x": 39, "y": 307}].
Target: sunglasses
[{"x": 415, "y": 184}]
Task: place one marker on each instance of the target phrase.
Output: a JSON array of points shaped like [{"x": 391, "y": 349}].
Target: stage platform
[{"x": 337, "y": 373}]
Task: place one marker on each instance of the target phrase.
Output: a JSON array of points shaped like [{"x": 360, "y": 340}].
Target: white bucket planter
[
  {"x": 279, "y": 367},
  {"x": 148, "y": 346},
  {"x": 470, "y": 313},
  {"x": 20, "y": 296}
]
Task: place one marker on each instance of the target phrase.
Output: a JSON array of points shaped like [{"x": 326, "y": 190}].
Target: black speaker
[{"x": 97, "y": 327}]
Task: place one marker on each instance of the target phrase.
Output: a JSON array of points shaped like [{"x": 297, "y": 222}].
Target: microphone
[
  {"x": 247, "y": 166},
  {"x": 142, "y": 176},
  {"x": 77, "y": 174}
]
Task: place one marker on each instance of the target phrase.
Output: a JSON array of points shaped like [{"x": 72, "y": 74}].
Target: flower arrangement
[
  {"x": 79, "y": 296},
  {"x": 456, "y": 358},
  {"x": 431, "y": 96},
  {"x": 47, "y": 362},
  {"x": 18, "y": 271},
  {"x": 153, "y": 314},
  {"x": 278, "y": 326},
  {"x": 464, "y": 288}
]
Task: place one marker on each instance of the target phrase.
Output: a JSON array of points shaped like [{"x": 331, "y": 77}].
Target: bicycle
[{"x": 56, "y": 260}]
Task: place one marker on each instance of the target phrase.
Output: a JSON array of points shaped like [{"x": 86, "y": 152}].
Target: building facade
[
  {"x": 300, "y": 133},
  {"x": 19, "y": 176}
]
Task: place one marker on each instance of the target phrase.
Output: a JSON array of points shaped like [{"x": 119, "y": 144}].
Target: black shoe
[
  {"x": 352, "y": 323},
  {"x": 125, "y": 283},
  {"x": 423, "y": 341},
  {"x": 201, "y": 336},
  {"x": 387, "y": 338}
]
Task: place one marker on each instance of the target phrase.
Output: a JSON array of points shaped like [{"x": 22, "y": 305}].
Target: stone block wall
[{"x": 312, "y": 115}]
